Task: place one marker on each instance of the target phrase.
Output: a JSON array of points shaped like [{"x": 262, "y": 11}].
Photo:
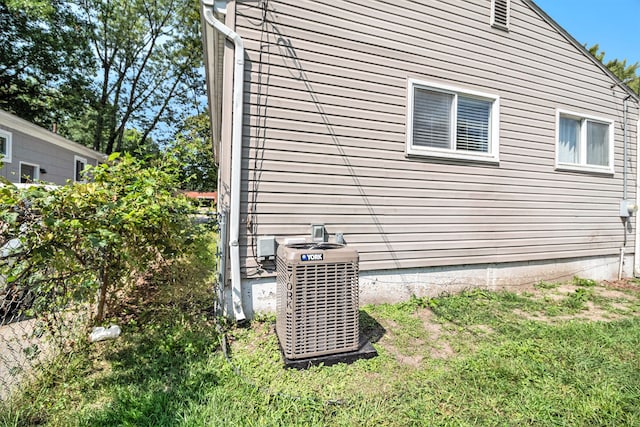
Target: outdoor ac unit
[{"x": 317, "y": 299}]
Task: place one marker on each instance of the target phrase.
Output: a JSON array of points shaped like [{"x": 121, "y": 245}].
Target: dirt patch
[
  {"x": 443, "y": 350},
  {"x": 530, "y": 316},
  {"x": 612, "y": 293},
  {"x": 483, "y": 330},
  {"x": 619, "y": 295},
  {"x": 597, "y": 314},
  {"x": 413, "y": 361},
  {"x": 625, "y": 284},
  {"x": 438, "y": 348},
  {"x": 431, "y": 344}
]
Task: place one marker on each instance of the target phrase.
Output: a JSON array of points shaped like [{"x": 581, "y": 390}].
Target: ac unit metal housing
[{"x": 317, "y": 299}]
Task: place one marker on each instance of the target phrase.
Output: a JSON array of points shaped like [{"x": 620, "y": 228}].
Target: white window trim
[
  {"x": 583, "y": 166},
  {"x": 36, "y": 169},
  {"x": 492, "y": 156},
  {"x": 77, "y": 159},
  {"x": 498, "y": 25},
  {"x": 7, "y": 157}
]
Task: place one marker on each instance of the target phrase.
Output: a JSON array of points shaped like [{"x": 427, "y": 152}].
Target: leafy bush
[{"x": 83, "y": 242}]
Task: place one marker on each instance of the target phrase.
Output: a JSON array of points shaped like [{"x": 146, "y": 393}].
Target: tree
[
  {"x": 149, "y": 65},
  {"x": 627, "y": 73},
  {"x": 44, "y": 61},
  {"x": 193, "y": 149}
]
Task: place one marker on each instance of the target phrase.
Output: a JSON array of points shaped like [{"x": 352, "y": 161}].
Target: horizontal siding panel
[
  {"x": 279, "y": 182},
  {"x": 431, "y": 248},
  {"x": 366, "y": 264},
  {"x": 280, "y": 97},
  {"x": 321, "y": 129},
  {"x": 371, "y": 232},
  {"x": 442, "y": 204},
  {"x": 332, "y": 117},
  {"x": 336, "y": 164},
  {"x": 299, "y": 173},
  {"x": 337, "y": 220},
  {"x": 444, "y": 251},
  {"x": 470, "y": 213}
]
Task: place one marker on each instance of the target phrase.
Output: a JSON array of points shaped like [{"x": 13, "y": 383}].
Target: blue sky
[{"x": 613, "y": 24}]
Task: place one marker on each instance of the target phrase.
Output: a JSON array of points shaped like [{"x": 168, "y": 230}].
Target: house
[
  {"x": 453, "y": 144},
  {"x": 31, "y": 153}
]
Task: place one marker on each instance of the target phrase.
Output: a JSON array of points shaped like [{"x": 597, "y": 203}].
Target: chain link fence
[{"x": 29, "y": 341}]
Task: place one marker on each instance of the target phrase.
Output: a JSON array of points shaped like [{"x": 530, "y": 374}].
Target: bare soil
[{"x": 615, "y": 300}]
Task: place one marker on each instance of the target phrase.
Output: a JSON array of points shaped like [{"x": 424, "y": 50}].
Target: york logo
[{"x": 311, "y": 257}]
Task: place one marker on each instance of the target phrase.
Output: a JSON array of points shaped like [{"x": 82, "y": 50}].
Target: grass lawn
[{"x": 558, "y": 354}]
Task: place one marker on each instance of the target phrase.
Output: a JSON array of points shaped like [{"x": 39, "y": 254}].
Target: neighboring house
[
  {"x": 31, "y": 153},
  {"x": 453, "y": 144}
]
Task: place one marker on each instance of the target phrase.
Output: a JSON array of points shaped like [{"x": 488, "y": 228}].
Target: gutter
[{"x": 209, "y": 7}]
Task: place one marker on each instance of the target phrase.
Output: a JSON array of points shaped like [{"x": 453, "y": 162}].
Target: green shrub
[{"x": 83, "y": 241}]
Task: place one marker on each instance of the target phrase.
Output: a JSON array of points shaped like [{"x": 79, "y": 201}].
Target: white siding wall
[{"x": 325, "y": 122}]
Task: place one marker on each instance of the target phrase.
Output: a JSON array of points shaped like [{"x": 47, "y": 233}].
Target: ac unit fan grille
[{"x": 317, "y": 308}]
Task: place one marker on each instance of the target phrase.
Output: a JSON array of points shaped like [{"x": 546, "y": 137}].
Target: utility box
[{"x": 266, "y": 248}]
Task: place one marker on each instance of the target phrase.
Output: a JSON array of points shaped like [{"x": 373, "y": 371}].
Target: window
[
  {"x": 452, "y": 123},
  {"x": 584, "y": 143},
  {"x": 29, "y": 172},
  {"x": 80, "y": 163},
  {"x": 5, "y": 146},
  {"x": 500, "y": 14}
]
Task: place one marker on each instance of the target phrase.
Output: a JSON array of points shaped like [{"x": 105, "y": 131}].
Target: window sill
[
  {"x": 601, "y": 170},
  {"x": 454, "y": 155}
]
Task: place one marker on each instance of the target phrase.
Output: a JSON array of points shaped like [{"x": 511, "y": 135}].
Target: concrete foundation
[{"x": 259, "y": 295}]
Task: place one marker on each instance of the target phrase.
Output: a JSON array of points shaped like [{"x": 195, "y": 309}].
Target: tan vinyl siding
[{"x": 325, "y": 120}]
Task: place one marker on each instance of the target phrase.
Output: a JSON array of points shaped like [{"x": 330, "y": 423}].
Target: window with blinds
[
  {"x": 500, "y": 13},
  {"x": 447, "y": 122},
  {"x": 584, "y": 142}
]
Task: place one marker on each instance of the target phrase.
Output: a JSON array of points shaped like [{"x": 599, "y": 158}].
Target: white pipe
[
  {"x": 621, "y": 266},
  {"x": 625, "y": 112},
  {"x": 236, "y": 155},
  {"x": 636, "y": 252}
]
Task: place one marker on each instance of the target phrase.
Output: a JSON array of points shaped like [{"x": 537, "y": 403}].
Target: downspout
[
  {"x": 624, "y": 184},
  {"x": 636, "y": 254},
  {"x": 625, "y": 113},
  {"x": 209, "y": 7}
]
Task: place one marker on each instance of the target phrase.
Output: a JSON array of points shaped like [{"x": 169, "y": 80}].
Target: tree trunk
[{"x": 102, "y": 294}]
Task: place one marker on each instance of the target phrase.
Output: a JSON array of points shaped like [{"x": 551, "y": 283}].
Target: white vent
[
  {"x": 500, "y": 13},
  {"x": 317, "y": 299}
]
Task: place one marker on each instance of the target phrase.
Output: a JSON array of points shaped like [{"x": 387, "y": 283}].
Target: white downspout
[
  {"x": 636, "y": 253},
  {"x": 209, "y": 6}
]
